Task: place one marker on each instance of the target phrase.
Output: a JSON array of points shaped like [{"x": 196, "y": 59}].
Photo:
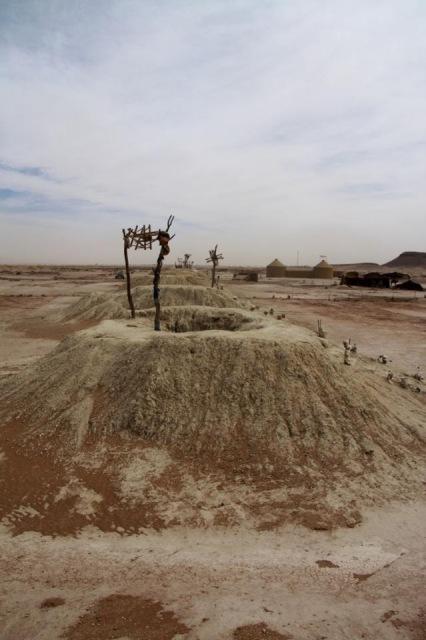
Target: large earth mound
[
  {"x": 100, "y": 306},
  {"x": 123, "y": 427},
  {"x": 408, "y": 259}
]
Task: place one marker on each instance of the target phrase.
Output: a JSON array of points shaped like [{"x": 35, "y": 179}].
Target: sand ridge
[{"x": 106, "y": 305}]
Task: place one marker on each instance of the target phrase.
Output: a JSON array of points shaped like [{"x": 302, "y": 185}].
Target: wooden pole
[
  {"x": 214, "y": 259},
  {"x": 156, "y": 289},
  {"x": 143, "y": 238},
  {"x": 163, "y": 239},
  {"x": 128, "y": 283}
]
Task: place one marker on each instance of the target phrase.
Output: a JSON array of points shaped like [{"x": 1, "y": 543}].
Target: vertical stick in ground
[
  {"x": 163, "y": 239},
  {"x": 128, "y": 283},
  {"x": 156, "y": 290},
  {"x": 214, "y": 259}
]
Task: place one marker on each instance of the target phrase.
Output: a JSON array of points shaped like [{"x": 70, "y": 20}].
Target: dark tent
[
  {"x": 372, "y": 279},
  {"x": 409, "y": 285},
  {"x": 395, "y": 275}
]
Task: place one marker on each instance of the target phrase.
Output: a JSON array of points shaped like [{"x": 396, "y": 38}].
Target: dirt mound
[
  {"x": 408, "y": 259},
  {"x": 176, "y": 295},
  {"x": 181, "y": 276},
  {"x": 259, "y": 426},
  {"x": 277, "y": 387},
  {"x": 100, "y": 306}
]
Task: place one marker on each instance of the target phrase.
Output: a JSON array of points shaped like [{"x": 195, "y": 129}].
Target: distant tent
[
  {"x": 409, "y": 285},
  {"x": 375, "y": 279},
  {"x": 395, "y": 275},
  {"x": 372, "y": 279}
]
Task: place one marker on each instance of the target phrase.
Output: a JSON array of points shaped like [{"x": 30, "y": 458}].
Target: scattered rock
[
  {"x": 388, "y": 614},
  {"x": 52, "y": 602},
  {"x": 326, "y": 564}
]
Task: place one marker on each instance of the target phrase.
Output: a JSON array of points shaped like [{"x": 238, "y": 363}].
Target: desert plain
[{"x": 228, "y": 478}]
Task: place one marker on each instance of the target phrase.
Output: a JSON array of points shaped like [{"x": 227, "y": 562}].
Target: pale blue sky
[{"x": 268, "y": 126}]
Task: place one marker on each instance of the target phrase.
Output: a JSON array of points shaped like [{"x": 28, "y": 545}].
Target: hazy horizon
[
  {"x": 269, "y": 128},
  {"x": 146, "y": 260}
]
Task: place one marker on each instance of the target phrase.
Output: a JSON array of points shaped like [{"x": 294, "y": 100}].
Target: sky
[{"x": 270, "y": 127}]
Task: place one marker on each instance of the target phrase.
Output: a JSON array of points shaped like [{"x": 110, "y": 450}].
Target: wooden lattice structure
[
  {"x": 214, "y": 258},
  {"x": 184, "y": 263},
  {"x": 144, "y": 238}
]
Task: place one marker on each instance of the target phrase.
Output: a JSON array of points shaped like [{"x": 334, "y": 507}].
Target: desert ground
[{"x": 229, "y": 479}]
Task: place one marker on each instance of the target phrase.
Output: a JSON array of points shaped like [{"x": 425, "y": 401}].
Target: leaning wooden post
[
  {"x": 128, "y": 283},
  {"x": 214, "y": 259},
  {"x": 156, "y": 291},
  {"x": 163, "y": 239}
]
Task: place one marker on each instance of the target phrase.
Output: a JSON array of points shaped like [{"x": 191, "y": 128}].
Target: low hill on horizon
[
  {"x": 408, "y": 259},
  {"x": 359, "y": 265}
]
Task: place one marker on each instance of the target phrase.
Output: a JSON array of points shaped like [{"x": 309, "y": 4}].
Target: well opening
[
  {"x": 188, "y": 319},
  {"x": 200, "y": 323}
]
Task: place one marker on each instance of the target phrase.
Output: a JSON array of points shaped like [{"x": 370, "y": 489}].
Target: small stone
[{"x": 49, "y": 603}]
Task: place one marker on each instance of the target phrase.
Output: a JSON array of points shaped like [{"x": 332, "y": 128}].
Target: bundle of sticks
[{"x": 143, "y": 238}]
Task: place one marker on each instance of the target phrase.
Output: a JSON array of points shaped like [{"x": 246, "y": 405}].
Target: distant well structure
[
  {"x": 276, "y": 269},
  {"x": 322, "y": 270}
]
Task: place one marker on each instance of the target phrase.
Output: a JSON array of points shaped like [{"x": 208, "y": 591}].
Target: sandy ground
[
  {"x": 386, "y": 322},
  {"x": 355, "y": 583},
  {"x": 25, "y": 306},
  {"x": 217, "y": 583}
]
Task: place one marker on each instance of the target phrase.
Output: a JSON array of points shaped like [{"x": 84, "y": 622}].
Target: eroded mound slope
[
  {"x": 278, "y": 388},
  {"x": 123, "y": 427},
  {"x": 181, "y": 276},
  {"x": 100, "y": 306}
]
